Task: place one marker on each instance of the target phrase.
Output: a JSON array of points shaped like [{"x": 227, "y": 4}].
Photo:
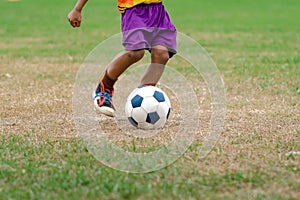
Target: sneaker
[{"x": 103, "y": 100}]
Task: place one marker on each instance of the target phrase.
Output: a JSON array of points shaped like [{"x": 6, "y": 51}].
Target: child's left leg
[{"x": 159, "y": 58}]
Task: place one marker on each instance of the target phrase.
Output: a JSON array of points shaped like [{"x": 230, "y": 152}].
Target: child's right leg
[
  {"x": 104, "y": 92},
  {"x": 122, "y": 62}
]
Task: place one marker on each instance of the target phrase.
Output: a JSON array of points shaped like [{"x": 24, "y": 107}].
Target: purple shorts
[{"x": 147, "y": 25}]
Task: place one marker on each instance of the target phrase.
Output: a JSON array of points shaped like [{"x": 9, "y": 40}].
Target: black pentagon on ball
[
  {"x": 159, "y": 96},
  {"x": 152, "y": 118},
  {"x": 132, "y": 121},
  {"x": 136, "y": 101}
]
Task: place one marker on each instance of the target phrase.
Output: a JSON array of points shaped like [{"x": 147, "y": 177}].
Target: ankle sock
[{"x": 107, "y": 82}]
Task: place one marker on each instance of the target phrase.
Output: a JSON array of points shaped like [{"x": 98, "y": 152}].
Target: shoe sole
[{"x": 106, "y": 111}]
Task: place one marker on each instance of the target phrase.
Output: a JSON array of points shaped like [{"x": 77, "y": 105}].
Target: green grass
[
  {"x": 57, "y": 174},
  {"x": 255, "y": 45},
  {"x": 35, "y": 169}
]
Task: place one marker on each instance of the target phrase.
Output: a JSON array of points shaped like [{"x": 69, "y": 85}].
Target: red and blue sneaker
[{"x": 102, "y": 98}]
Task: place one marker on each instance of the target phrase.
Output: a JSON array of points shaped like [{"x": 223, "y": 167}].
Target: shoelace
[
  {"x": 105, "y": 94},
  {"x": 107, "y": 97}
]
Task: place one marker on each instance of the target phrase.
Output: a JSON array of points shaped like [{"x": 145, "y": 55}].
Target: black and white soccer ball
[{"x": 147, "y": 107}]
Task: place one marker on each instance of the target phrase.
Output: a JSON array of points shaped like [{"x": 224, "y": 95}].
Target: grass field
[{"x": 256, "y": 46}]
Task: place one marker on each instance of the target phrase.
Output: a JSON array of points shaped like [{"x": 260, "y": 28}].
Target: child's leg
[
  {"x": 119, "y": 65},
  {"x": 159, "y": 58},
  {"x": 104, "y": 92}
]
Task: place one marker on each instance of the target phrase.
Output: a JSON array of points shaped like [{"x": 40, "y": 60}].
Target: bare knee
[
  {"x": 135, "y": 55},
  {"x": 160, "y": 56}
]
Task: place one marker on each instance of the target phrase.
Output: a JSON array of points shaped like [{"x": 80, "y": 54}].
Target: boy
[{"x": 145, "y": 26}]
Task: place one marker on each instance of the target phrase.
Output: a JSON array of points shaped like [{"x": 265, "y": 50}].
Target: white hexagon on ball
[{"x": 150, "y": 104}]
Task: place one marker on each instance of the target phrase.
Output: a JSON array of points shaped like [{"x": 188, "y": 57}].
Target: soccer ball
[{"x": 147, "y": 107}]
